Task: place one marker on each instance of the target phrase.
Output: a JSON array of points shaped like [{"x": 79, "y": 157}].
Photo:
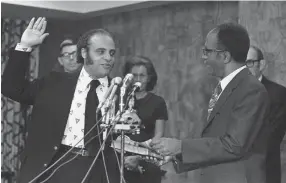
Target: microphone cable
[
  {"x": 64, "y": 163},
  {"x": 117, "y": 159},
  {"x": 72, "y": 147},
  {"x": 101, "y": 147}
]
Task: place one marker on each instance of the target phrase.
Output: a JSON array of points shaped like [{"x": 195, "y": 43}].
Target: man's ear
[
  {"x": 227, "y": 57},
  {"x": 262, "y": 65},
  {"x": 83, "y": 53},
  {"x": 60, "y": 61}
]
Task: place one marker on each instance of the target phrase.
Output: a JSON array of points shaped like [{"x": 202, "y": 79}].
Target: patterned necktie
[
  {"x": 90, "y": 108},
  {"x": 214, "y": 99}
]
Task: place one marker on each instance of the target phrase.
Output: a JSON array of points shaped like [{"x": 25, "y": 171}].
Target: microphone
[
  {"x": 126, "y": 81},
  {"x": 135, "y": 88},
  {"x": 111, "y": 96},
  {"x": 114, "y": 84}
]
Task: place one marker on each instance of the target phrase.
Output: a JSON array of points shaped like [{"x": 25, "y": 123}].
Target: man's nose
[
  {"x": 204, "y": 57},
  {"x": 72, "y": 58},
  {"x": 107, "y": 56},
  {"x": 137, "y": 78}
]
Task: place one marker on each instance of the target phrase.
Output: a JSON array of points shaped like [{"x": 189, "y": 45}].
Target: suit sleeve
[
  {"x": 15, "y": 85},
  {"x": 248, "y": 117}
]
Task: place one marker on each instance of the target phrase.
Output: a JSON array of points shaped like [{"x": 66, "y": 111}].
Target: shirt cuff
[{"x": 22, "y": 48}]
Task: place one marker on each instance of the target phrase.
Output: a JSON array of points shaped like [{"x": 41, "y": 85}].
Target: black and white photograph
[{"x": 143, "y": 91}]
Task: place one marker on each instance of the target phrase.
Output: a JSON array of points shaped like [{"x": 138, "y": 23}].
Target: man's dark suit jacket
[
  {"x": 277, "y": 95},
  {"x": 51, "y": 98},
  {"x": 232, "y": 146}
]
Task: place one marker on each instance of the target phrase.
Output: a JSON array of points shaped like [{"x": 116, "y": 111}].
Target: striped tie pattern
[{"x": 214, "y": 98}]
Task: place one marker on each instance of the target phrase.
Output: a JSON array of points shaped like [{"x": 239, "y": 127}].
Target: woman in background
[{"x": 152, "y": 111}]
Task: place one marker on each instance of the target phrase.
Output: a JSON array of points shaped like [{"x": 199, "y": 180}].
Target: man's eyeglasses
[
  {"x": 207, "y": 50},
  {"x": 250, "y": 62},
  {"x": 69, "y": 55}
]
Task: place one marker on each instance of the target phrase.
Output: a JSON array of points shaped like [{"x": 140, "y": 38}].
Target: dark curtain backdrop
[{"x": 14, "y": 116}]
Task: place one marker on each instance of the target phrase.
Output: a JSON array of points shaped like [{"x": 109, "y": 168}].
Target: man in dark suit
[
  {"x": 231, "y": 148},
  {"x": 277, "y": 94},
  {"x": 64, "y": 106}
]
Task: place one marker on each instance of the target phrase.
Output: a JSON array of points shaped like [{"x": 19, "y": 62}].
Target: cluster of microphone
[
  {"x": 108, "y": 99},
  {"x": 114, "y": 86}
]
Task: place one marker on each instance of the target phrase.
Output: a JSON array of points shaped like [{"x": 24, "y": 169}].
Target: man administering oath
[{"x": 231, "y": 148}]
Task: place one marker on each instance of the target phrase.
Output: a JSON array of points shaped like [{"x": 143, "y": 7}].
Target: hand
[
  {"x": 167, "y": 146},
  {"x": 131, "y": 162},
  {"x": 34, "y": 33}
]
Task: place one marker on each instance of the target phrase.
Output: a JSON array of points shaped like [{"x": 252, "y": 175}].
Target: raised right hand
[{"x": 34, "y": 33}]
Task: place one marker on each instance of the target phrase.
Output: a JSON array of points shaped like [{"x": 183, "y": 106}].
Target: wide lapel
[{"x": 226, "y": 94}]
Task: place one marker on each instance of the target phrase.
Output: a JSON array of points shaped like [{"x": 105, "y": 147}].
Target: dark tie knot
[{"x": 94, "y": 84}]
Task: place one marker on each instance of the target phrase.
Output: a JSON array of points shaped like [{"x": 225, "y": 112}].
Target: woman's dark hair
[
  {"x": 234, "y": 39},
  {"x": 147, "y": 63},
  {"x": 84, "y": 40}
]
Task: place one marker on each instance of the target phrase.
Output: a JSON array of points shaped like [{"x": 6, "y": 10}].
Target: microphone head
[
  {"x": 127, "y": 79},
  {"x": 137, "y": 86},
  {"x": 117, "y": 80}
]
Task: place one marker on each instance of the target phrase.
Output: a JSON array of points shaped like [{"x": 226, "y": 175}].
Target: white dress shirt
[
  {"x": 74, "y": 131},
  {"x": 226, "y": 80}
]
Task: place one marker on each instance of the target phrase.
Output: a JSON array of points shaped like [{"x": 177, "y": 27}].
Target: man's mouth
[
  {"x": 73, "y": 65},
  {"x": 106, "y": 66}
]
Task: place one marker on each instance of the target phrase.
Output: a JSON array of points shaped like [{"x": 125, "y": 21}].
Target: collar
[
  {"x": 224, "y": 82},
  {"x": 85, "y": 79}
]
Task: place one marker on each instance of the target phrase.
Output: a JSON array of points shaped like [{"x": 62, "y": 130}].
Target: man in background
[
  {"x": 67, "y": 60},
  {"x": 277, "y": 94}
]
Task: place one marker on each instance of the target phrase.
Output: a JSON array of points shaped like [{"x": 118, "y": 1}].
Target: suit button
[
  {"x": 56, "y": 148},
  {"x": 45, "y": 165}
]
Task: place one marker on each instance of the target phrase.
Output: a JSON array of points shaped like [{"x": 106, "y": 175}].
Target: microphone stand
[
  {"x": 121, "y": 105},
  {"x": 113, "y": 124}
]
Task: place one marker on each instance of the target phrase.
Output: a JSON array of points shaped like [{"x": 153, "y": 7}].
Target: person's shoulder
[
  {"x": 251, "y": 82},
  {"x": 275, "y": 89},
  {"x": 156, "y": 98},
  {"x": 273, "y": 84},
  {"x": 251, "y": 86}
]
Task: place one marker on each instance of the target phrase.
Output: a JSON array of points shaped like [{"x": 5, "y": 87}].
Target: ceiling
[{"x": 72, "y": 10}]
